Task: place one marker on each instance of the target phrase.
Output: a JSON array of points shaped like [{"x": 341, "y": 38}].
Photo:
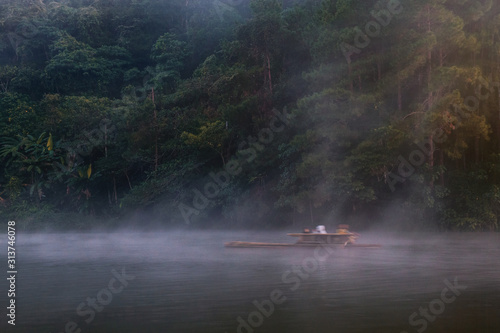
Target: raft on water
[
  {"x": 341, "y": 238},
  {"x": 241, "y": 244}
]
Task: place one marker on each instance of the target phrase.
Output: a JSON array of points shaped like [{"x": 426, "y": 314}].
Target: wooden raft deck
[
  {"x": 239, "y": 244},
  {"x": 341, "y": 239}
]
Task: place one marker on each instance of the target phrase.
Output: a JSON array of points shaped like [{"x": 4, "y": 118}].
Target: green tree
[
  {"x": 78, "y": 68},
  {"x": 169, "y": 53}
]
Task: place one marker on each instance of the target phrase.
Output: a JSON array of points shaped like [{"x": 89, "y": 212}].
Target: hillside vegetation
[{"x": 260, "y": 113}]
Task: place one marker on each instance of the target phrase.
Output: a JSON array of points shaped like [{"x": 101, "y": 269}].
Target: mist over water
[{"x": 187, "y": 281}]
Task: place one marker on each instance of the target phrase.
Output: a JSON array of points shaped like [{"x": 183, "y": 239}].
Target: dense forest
[{"x": 262, "y": 113}]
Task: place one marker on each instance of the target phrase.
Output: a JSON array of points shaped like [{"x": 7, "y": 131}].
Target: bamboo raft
[
  {"x": 342, "y": 238},
  {"x": 241, "y": 244}
]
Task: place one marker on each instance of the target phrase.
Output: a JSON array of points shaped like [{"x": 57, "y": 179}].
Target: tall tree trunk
[
  {"x": 498, "y": 121},
  {"x": 400, "y": 96},
  {"x": 430, "y": 94},
  {"x": 269, "y": 79},
  {"x": 431, "y": 151},
  {"x": 351, "y": 84},
  {"x": 115, "y": 194},
  {"x": 106, "y": 140},
  {"x": 311, "y": 212},
  {"x": 498, "y": 97},
  {"x": 429, "y": 61},
  {"x": 476, "y": 149},
  {"x": 155, "y": 126},
  {"x": 128, "y": 179},
  {"x": 379, "y": 69},
  {"x": 186, "y": 20},
  {"x": 441, "y": 163}
]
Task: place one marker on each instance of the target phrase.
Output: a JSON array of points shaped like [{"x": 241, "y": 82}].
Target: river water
[{"x": 179, "y": 281}]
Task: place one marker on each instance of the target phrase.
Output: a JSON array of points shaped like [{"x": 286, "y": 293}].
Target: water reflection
[{"x": 188, "y": 282}]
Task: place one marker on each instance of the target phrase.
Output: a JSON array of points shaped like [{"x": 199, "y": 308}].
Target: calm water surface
[{"x": 188, "y": 282}]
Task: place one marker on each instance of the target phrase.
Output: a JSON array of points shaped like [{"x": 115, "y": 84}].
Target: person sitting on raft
[
  {"x": 343, "y": 229},
  {"x": 320, "y": 229}
]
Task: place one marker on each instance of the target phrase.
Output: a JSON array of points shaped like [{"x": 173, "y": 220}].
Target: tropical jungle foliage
[{"x": 251, "y": 113}]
